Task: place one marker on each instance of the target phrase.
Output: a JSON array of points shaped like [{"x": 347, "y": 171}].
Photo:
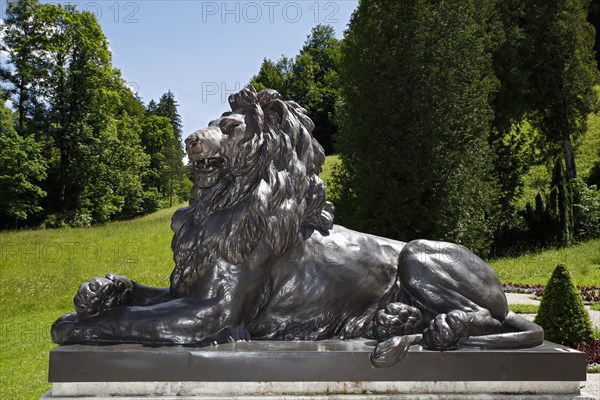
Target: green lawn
[
  {"x": 330, "y": 162},
  {"x": 40, "y": 271},
  {"x": 582, "y": 260},
  {"x": 525, "y": 308}
]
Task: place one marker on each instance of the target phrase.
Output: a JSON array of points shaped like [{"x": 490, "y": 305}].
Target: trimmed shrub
[{"x": 561, "y": 313}]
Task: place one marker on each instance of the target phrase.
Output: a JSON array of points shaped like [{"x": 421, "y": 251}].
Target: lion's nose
[
  {"x": 191, "y": 140},
  {"x": 203, "y": 142},
  {"x": 197, "y": 146},
  {"x": 194, "y": 144}
]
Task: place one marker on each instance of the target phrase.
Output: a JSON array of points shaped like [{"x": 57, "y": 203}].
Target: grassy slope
[
  {"x": 40, "y": 272},
  {"x": 330, "y": 162},
  {"x": 582, "y": 260}
]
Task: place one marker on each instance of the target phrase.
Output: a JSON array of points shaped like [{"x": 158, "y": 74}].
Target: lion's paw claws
[
  {"x": 397, "y": 319},
  {"x": 101, "y": 294},
  {"x": 445, "y": 330}
]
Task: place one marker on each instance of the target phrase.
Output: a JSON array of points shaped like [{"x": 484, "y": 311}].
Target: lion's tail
[{"x": 518, "y": 333}]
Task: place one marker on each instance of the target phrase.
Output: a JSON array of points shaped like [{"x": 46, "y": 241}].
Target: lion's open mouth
[{"x": 208, "y": 165}]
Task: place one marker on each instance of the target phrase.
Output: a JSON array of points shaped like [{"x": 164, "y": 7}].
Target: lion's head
[{"x": 256, "y": 185}]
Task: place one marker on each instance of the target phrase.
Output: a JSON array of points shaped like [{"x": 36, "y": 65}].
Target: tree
[
  {"x": 151, "y": 108},
  {"x": 273, "y": 75},
  {"x": 510, "y": 137},
  {"x": 131, "y": 103},
  {"x": 551, "y": 223},
  {"x": 81, "y": 111},
  {"x": 561, "y": 311},
  {"x": 167, "y": 108},
  {"x": 157, "y": 141},
  {"x": 311, "y": 79},
  {"x": 562, "y": 73},
  {"x": 80, "y": 88},
  {"x": 594, "y": 19},
  {"x": 416, "y": 79},
  {"x": 23, "y": 39},
  {"x": 22, "y": 167}
]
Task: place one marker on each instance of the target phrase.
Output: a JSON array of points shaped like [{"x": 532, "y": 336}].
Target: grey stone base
[
  {"x": 311, "y": 370},
  {"x": 316, "y": 390}
]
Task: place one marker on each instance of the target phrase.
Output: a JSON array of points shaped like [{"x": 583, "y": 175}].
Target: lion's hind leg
[
  {"x": 447, "y": 331},
  {"x": 462, "y": 298},
  {"x": 515, "y": 332}
]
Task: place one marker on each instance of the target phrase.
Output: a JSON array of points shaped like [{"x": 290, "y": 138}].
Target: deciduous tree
[
  {"x": 311, "y": 79},
  {"x": 22, "y": 167}
]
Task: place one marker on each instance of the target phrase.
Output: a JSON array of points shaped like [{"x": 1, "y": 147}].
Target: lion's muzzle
[
  {"x": 209, "y": 164},
  {"x": 204, "y": 144}
]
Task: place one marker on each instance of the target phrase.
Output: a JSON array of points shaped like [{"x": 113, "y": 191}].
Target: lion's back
[{"x": 330, "y": 285}]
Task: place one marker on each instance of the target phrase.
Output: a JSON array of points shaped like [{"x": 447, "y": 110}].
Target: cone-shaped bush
[{"x": 561, "y": 311}]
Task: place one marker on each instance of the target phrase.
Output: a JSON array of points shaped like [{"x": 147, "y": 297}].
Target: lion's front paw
[
  {"x": 101, "y": 294},
  {"x": 445, "y": 330},
  {"x": 65, "y": 329},
  {"x": 397, "y": 319}
]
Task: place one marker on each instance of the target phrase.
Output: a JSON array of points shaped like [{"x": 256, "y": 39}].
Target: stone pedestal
[{"x": 311, "y": 370}]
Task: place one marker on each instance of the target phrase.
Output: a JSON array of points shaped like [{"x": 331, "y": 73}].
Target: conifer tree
[
  {"x": 417, "y": 79},
  {"x": 562, "y": 73},
  {"x": 167, "y": 108},
  {"x": 561, "y": 312}
]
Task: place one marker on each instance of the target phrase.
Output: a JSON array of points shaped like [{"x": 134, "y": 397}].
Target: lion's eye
[{"x": 227, "y": 129}]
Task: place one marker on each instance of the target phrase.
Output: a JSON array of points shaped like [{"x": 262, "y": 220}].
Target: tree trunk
[
  {"x": 569, "y": 156},
  {"x": 62, "y": 180},
  {"x": 21, "y": 106}
]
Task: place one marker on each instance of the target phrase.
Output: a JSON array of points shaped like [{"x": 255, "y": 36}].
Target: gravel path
[{"x": 519, "y": 298}]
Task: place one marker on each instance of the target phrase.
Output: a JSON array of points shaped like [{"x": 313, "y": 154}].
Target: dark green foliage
[
  {"x": 75, "y": 113},
  {"x": 513, "y": 148},
  {"x": 311, "y": 79},
  {"x": 157, "y": 140},
  {"x": 594, "y": 176},
  {"x": 417, "y": 79},
  {"x": 561, "y": 312},
  {"x": 551, "y": 222},
  {"x": 586, "y": 211},
  {"x": 562, "y": 73},
  {"x": 167, "y": 152},
  {"x": 275, "y": 76},
  {"x": 23, "y": 40},
  {"x": 22, "y": 167},
  {"x": 594, "y": 19},
  {"x": 544, "y": 62},
  {"x": 132, "y": 104},
  {"x": 561, "y": 195},
  {"x": 167, "y": 107}
]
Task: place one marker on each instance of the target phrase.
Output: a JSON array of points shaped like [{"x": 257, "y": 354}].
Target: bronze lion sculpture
[{"x": 257, "y": 256}]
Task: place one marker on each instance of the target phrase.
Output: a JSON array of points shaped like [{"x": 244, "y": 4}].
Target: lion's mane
[{"x": 271, "y": 195}]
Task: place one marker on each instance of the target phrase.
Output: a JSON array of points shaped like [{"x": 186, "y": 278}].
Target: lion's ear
[{"x": 278, "y": 111}]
